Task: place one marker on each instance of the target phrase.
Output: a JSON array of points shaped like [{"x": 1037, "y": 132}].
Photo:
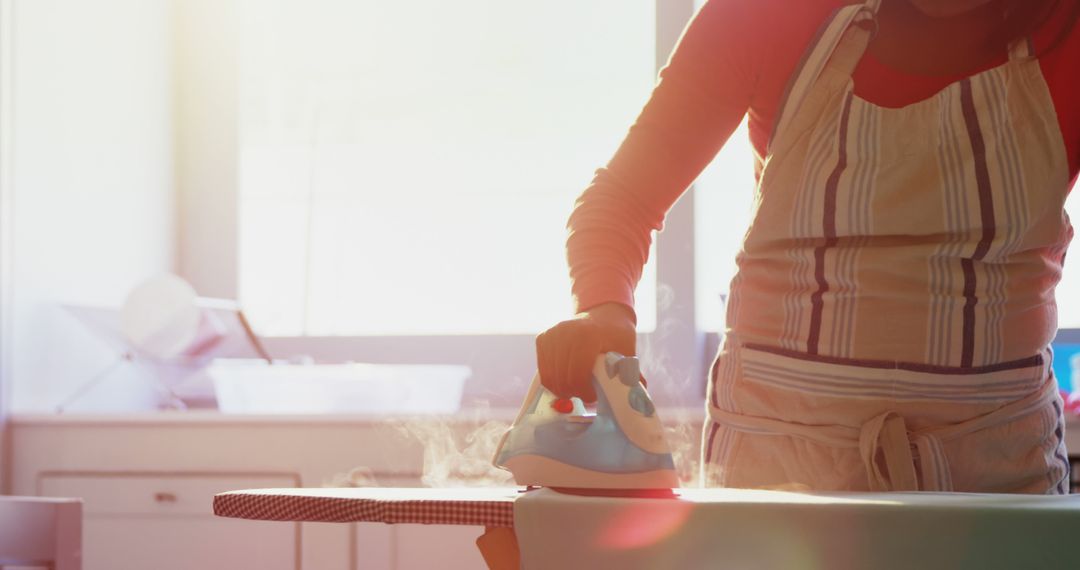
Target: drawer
[{"x": 154, "y": 494}]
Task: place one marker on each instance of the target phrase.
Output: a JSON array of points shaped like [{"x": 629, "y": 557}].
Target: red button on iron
[{"x": 562, "y": 405}]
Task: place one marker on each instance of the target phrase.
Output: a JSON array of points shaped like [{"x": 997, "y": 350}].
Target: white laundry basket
[{"x": 375, "y": 389}]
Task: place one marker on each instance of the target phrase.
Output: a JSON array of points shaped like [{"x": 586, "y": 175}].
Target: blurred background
[
  {"x": 370, "y": 181},
  {"x": 284, "y": 243}
]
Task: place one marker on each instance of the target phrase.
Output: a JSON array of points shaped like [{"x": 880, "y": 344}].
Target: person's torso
[
  {"x": 788, "y": 29},
  {"x": 930, "y": 233}
]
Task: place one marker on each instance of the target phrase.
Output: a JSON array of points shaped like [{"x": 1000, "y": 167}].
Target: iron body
[{"x": 620, "y": 446}]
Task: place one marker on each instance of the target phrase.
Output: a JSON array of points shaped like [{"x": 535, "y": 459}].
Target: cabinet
[
  {"x": 148, "y": 483},
  {"x": 416, "y": 547},
  {"x": 426, "y": 546},
  {"x": 134, "y": 521}
]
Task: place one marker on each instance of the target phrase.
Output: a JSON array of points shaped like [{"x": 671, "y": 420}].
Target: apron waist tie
[{"x": 886, "y": 436}]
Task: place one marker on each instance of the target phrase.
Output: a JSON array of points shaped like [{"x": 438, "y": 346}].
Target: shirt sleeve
[{"x": 703, "y": 93}]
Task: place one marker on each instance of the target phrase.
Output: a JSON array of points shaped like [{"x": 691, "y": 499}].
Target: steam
[
  {"x": 682, "y": 436},
  {"x": 674, "y": 383},
  {"x": 455, "y": 460},
  {"x": 455, "y": 456},
  {"x": 357, "y": 477}
]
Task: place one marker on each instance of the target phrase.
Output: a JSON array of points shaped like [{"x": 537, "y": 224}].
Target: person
[{"x": 888, "y": 327}]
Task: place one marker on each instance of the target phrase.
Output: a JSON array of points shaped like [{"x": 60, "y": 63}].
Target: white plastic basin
[{"x": 377, "y": 389}]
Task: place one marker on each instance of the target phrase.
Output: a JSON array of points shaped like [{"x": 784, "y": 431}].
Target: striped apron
[{"x": 889, "y": 323}]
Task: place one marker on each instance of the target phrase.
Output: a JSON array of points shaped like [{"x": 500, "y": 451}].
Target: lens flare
[{"x": 639, "y": 526}]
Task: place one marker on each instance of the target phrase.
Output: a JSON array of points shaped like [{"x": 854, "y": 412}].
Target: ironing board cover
[
  {"x": 491, "y": 507},
  {"x": 744, "y": 528}
]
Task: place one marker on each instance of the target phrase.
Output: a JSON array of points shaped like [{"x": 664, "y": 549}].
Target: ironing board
[
  {"x": 745, "y": 528},
  {"x": 488, "y": 507},
  {"x": 742, "y": 528},
  {"x": 491, "y": 508}
]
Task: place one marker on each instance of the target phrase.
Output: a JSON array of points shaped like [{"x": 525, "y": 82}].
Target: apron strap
[
  {"x": 817, "y": 56},
  {"x": 887, "y": 435},
  {"x": 933, "y": 464}
]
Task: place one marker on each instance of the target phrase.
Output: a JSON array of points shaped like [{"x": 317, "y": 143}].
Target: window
[
  {"x": 1068, "y": 291},
  {"x": 723, "y": 207},
  {"x": 407, "y": 168},
  {"x": 405, "y": 171}
]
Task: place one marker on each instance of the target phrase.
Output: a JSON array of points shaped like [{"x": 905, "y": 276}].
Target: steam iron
[{"x": 619, "y": 447}]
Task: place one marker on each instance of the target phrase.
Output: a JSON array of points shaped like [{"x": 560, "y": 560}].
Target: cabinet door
[
  {"x": 436, "y": 546},
  {"x": 373, "y": 547},
  {"x": 166, "y": 522}
]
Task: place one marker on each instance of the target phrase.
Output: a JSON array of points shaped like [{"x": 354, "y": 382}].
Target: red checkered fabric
[{"x": 479, "y": 507}]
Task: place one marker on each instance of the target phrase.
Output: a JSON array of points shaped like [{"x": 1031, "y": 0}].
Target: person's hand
[{"x": 566, "y": 353}]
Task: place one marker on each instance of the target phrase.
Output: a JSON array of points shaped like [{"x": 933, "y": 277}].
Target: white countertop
[{"x": 468, "y": 416}]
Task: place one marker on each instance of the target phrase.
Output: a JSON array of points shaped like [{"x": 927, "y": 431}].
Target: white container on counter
[{"x": 376, "y": 389}]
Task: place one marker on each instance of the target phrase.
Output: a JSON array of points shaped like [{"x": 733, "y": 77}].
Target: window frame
[
  {"x": 207, "y": 157},
  {"x": 208, "y": 212},
  {"x": 7, "y": 151}
]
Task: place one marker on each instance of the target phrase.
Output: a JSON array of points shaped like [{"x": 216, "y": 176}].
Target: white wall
[{"x": 92, "y": 185}]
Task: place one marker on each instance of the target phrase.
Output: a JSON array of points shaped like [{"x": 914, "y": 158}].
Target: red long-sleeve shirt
[{"x": 734, "y": 59}]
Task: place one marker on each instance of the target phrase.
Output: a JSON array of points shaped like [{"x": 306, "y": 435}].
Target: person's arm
[
  {"x": 701, "y": 97},
  {"x": 703, "y": 94}
]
